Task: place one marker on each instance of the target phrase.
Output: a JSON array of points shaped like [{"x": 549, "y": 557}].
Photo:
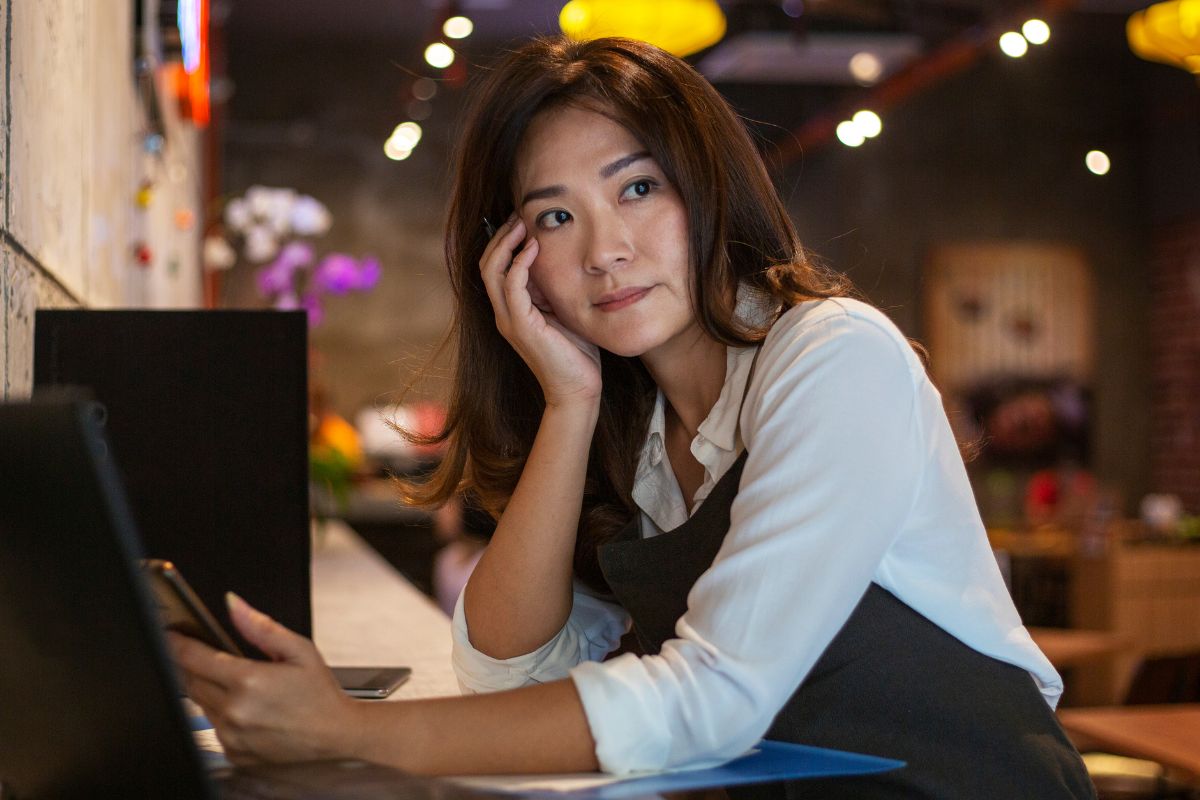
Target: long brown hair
[{"x": 739, "y": 234}]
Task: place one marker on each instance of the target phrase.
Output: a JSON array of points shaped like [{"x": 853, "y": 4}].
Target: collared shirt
[{"x": 853, "y": 476}]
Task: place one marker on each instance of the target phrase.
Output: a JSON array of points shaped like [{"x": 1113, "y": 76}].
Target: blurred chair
[
  {"x": 1166, "y": 679},
  {"x": 1157, "y": 680}
]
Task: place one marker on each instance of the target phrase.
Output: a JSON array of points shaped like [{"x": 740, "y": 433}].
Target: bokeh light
[
  {"x": 1013, "y": 44},
  {"x": 439, "y": 55},
  {"x": 1036, "y": 31}
]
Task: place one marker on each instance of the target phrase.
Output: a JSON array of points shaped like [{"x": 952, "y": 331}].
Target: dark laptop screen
[{"x": 87, "y": 706}]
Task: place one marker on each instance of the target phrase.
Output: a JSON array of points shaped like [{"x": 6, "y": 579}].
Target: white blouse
[{"x": 853, "y": 475}]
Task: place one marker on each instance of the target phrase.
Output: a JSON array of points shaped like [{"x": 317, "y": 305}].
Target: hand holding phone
[{"x": 181, "y": 610}]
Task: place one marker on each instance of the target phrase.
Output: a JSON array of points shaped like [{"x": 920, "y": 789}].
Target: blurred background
[{"x": 1017, "y": 184}]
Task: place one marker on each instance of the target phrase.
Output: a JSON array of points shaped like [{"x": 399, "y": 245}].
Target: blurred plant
[
  {"x": 334, "y": 454},
  {"x": 1189, "y": 527},
  {"x": 274, "y": 225}
]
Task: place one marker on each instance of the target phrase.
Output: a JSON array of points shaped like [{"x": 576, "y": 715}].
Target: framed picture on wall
[{"x": 1010, "y": 332}]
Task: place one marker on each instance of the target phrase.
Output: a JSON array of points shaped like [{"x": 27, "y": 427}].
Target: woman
[{"x": 683, "y": 425}]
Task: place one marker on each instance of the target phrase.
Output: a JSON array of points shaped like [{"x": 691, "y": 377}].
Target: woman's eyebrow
[
  {"x": 621, "y": 163},
  {"x": 544, "y": 192},
  {"x": 607, "y": 171}
]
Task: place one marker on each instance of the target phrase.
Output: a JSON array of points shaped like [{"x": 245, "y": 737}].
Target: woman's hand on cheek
[
  {"x": 566, "y": 366},
  {"x": 290, "y": 709}
]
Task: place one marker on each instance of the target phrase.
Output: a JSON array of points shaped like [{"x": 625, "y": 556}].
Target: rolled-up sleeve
[
  {"x": 593, "y": 630},
  {"x": 836, "y": 457}
]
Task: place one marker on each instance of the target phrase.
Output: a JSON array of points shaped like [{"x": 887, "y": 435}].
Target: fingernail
[{"x": 232, "y": 601}]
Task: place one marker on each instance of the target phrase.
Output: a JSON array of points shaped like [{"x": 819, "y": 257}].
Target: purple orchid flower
[
  {"x": 369, "y": 271},
  {"x": 337, "y": 274},
  {"x": 276, "y": 277},
  {"x": 312, "y": 304}
]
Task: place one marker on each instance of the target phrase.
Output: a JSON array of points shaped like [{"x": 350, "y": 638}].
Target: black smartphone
[
  {"x": 373, "y": 683},
  {"x": 180, "y": 610}
]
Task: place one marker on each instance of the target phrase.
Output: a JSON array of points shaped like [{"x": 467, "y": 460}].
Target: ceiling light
[
  {"x": 407, "y": 132},
  {"x": 681, "y": 27},
  {"x": 439, "y": 55},
  {"x": 1013, "y": 44},
  {"x": 395, "y": 150},
  {"x": 1097, "y": 161},
  {"x": 424, "y": 88},
  {"x": 458, "y": 27},
  {"x": 866, "y": 67},
  {"x": 868, "y": 123},
  {"x": 849, "y": 134},
  {"x": 1168, "y": 33},
  {"x": 1036, "y": 31}
]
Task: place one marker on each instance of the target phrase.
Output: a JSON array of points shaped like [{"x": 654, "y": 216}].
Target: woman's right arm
[{"x": 520, "y": 594}]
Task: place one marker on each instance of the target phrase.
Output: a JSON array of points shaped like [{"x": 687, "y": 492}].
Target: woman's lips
[{"x": 622, "y": 298}]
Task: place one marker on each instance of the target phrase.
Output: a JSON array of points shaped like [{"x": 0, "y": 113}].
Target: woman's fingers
[
  {"x": 516, "y": 281},
  {"x": 199, "y": 660},
  {"x": 501, "y": 233},
  {"x": 266, "y": 634},
  {"x": 209, "y": 696},
  {"x": 498, "y": 253},
  {"x": 495, "y": 265}
]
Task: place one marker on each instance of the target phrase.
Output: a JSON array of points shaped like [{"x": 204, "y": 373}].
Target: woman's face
[{"x": 612, "y": 232}]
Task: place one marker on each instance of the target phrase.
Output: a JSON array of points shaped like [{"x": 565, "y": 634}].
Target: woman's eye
[
  {"x": 552, "y": 219},
  {"x": 639, "y": 188}
]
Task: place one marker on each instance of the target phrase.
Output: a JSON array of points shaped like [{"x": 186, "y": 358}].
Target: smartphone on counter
[
  {"x": 181, "y": 610},
  {"x": 373, "y": 683}
]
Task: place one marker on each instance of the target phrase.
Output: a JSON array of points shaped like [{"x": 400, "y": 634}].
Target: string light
[
  {"x": 407, "y": 132},
  {"x": 866, "y": 67},
  {"x": 424, "y": 88},
  {"x": 1013, "y": 44},
  {"x": 439, "y": 55},
  {"x": 458, "y": 27},
  {"x": 1098, "y": 162},
  {"x": 395, "y": 150},
  {"x": 868, "y": 123},
  {"x": 849, "y": 134},
  {"x": 1036, "y": 31}
]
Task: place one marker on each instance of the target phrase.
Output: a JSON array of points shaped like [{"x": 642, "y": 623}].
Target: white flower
[
  {"x": 217, "y": 253},
  {"x": 279, "y": 210},
  {"x": 258, "y": 198},
  {"x": 261, "y": 244},
  {"x": 237, "y": 215},
  {"x": 309, "y": 216}
]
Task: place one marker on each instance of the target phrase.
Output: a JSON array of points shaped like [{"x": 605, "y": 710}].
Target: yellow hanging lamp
[
  {"x": 681, "y": 27},
  {"x": 1167, "y": 32}
]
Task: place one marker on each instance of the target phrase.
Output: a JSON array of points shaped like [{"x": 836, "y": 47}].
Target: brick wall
[{"x": 1175, "y": 361}]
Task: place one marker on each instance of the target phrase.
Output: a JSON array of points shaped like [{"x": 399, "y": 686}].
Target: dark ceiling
[
  {"x": 506, "y": 19},
  {"x": 796, "y": 90}
]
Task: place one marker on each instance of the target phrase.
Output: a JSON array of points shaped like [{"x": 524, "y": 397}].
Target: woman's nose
[{"x": 610, "y": 245}]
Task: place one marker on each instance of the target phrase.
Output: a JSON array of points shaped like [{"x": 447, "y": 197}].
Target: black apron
[{"x": 891, "y": 683}]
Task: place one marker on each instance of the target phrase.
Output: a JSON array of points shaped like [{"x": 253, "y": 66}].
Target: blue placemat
[{"x": 767, "y": 763}]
